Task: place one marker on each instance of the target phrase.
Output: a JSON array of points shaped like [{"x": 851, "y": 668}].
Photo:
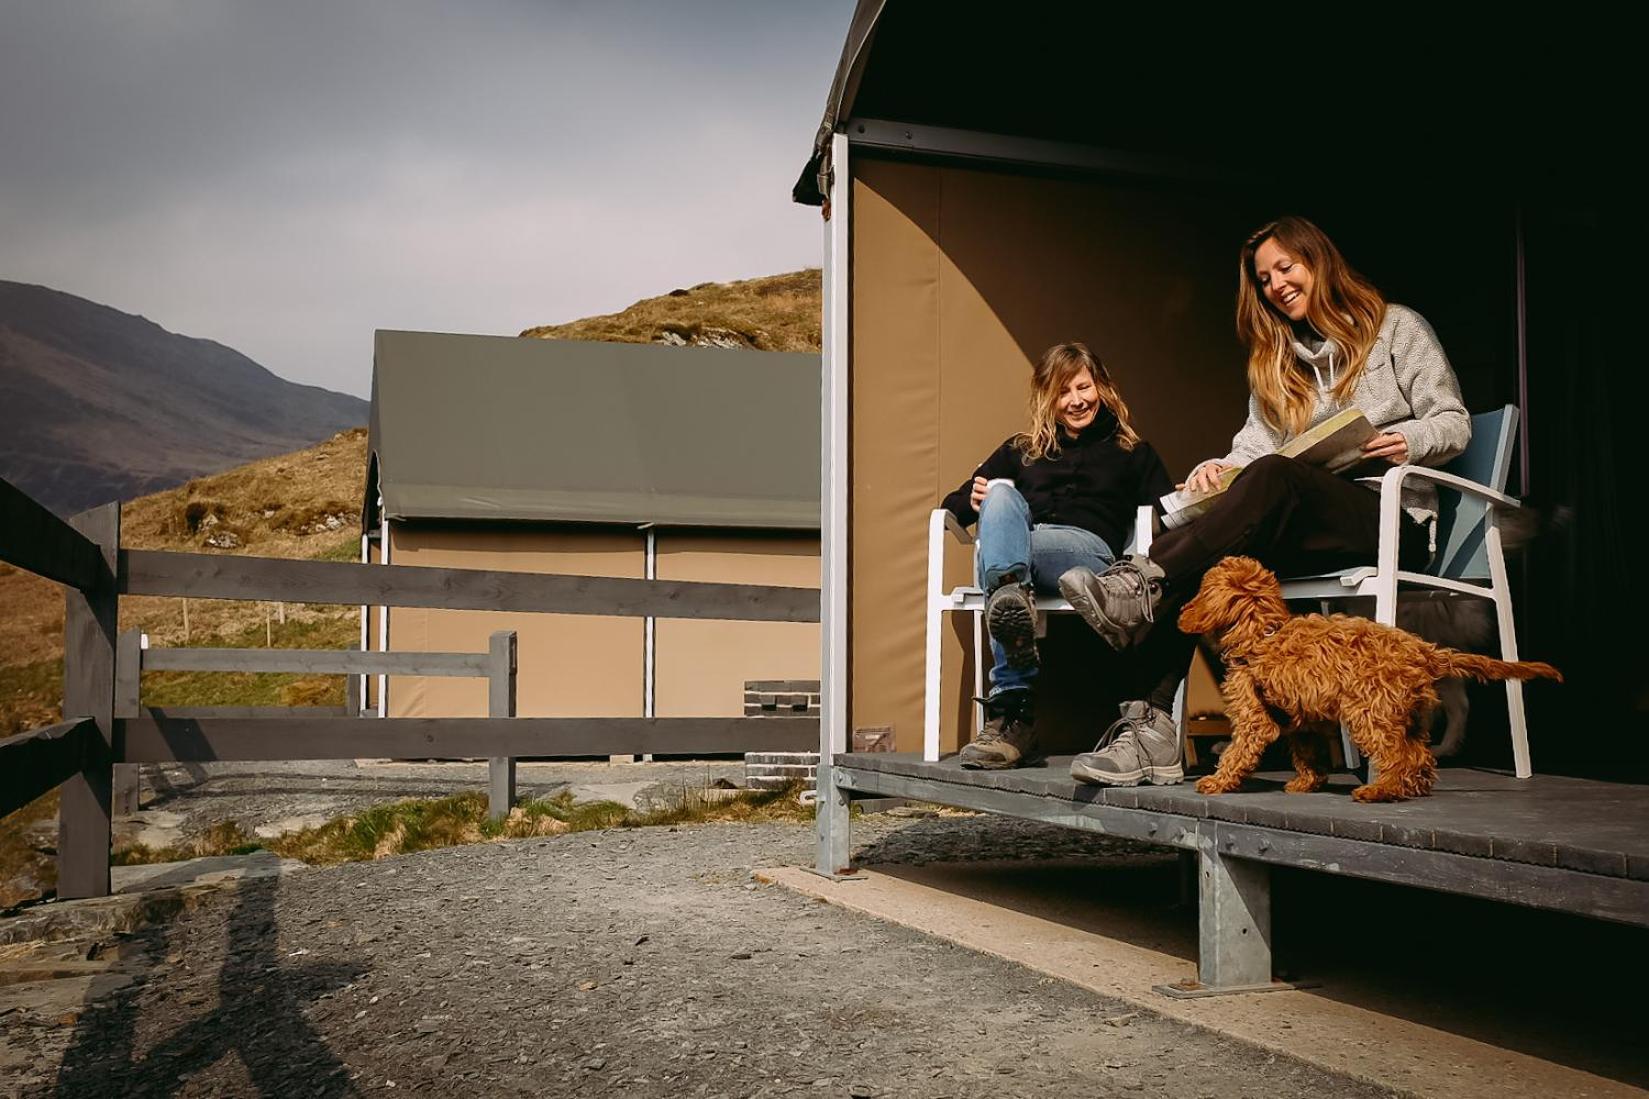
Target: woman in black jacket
[{"x": 1059, "y": 495}]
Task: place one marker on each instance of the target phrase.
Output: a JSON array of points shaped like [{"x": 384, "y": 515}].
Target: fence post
[
  {"x": 90, "y": 620},
  {"x": 128, "y": 697},
  {"x": 501, "y": 703},
  {"x": 352, "y": 695}
]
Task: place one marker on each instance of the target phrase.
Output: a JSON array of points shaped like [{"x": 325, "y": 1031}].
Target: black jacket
[{"x": 1091, "y": 483}]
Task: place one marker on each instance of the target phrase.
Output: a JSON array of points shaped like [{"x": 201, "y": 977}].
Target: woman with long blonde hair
[
  {"x": 1059, "y": 495},
  {"x": 1321, "y": 339}
]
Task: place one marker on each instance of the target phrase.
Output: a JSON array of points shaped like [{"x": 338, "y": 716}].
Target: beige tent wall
[
  {"x": 961, "y": 277},
  {"x": 568, "y": 665},
  {"x": 701, "y": 666}
]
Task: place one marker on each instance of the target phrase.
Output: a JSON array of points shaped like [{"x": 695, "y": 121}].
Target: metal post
[
  {"x": 89, "y": 622},
  {"x": 1234, "y": 917},
  {"x": 649, "y": 696},
  {"x": 383, "y": 612},
  {"x": 128, "y": 677},
  {"x": 360, "y": 681},
  {"x": 501, "y": 704},
  {"x": 833, "y": 821}
]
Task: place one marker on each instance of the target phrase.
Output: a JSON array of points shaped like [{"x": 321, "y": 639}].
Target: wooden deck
[
  {"x": 1572, "y": 845},
  {"x": 1547, "y": 820}
]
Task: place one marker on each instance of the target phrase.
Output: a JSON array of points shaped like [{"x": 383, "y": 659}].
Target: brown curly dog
[{"x": 1380, "y": 681}]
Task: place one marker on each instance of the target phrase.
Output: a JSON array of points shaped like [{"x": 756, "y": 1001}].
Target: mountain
[
  {"x": 99, "y": 405},
  {"x": 775, "y": 313}
]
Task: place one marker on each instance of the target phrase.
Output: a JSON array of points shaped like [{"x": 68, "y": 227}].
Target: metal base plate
[
  {"x": 850, "y": 874},
  {"x": 1192, "y": 989}
]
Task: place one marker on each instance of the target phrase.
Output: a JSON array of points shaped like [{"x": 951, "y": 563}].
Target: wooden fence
[
  {"x": 105, "y": 723},
  {"x": 132, "y": 658}
]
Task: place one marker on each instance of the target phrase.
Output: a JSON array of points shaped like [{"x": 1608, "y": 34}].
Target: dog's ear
[
  {"x": 1250, "y": 576},
  {"x": 1236, "y": 589}
]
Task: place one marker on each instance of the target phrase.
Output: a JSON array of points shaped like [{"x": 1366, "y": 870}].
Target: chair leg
[
  {"x": 1188, "y": 754},
  {"x": 1522, "y": 767},
  {"x": 930, "y": 684},
  {"x": 1353, "y": 758},
  {"x": 981, "y": 661}
]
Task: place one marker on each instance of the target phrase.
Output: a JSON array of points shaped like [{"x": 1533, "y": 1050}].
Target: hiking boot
[
  {"x": 1010, "y": 618},
  {"x": 1119, "y": 603},
  {"x": 1141, "y": 745},
  {"x": 1009, "y": 735}
]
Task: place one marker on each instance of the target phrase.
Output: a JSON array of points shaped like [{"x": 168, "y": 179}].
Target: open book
[{"x": 1336, "y": 445}]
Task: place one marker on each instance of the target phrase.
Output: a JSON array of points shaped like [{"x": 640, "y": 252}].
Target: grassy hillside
[{"x": 777, "y": 313}]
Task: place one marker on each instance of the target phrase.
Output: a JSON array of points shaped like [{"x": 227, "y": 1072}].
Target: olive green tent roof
[{"x": 505, "y": 428}]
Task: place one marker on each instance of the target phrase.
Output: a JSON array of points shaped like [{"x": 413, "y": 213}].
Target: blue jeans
[{"x": 1009, "y": 543}]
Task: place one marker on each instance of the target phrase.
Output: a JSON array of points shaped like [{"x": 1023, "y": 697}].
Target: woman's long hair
[
  {"x": 1342, "y": 305},
  {"x": 1049, "y": 377}
]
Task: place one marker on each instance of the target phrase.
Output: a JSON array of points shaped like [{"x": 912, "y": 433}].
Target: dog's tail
[{"x": 1452, "y": 662}]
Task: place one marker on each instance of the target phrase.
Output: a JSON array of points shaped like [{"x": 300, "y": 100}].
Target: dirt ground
[{"x": 641, "y": 962}]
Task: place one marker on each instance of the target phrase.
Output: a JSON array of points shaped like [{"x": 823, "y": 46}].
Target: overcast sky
[{"x": 286, "y": 176}]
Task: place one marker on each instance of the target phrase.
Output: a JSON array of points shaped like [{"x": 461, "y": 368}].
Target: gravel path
[{"x": 641, "y": 962}]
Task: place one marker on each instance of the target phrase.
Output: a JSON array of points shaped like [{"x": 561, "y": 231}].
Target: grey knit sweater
[{"x": 1406, "y": 386}]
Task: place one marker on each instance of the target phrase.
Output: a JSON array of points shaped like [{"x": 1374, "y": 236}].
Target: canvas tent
[
  {"x": 993, "y": 185},
  {"x": 593, "y": 459}
]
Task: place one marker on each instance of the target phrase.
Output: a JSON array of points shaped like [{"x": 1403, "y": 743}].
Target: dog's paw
[
  {"x": 1212, "y": 784},
  {"x": 1375, "y": 793},
  {"x": 1304, "y": 785}
]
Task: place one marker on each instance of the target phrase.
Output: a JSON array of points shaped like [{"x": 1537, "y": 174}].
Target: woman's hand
[
  {"x": 1392, "y": 446},
  {"x": 1206, "y": 477},
  {"x": 977, "y": 496}
]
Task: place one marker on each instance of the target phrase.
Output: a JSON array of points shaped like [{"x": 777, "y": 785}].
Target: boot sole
[
  {"x": 1156, "y": 776},
  {"x": 994, "y": 765},
  {"x": 1013, "y": 627},
  {"x": 1112, "y": 633}
]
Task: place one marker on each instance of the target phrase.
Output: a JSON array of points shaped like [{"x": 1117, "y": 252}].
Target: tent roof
[
  {"x": 1528, "y": 107},
  {"x": 505, "y": 428}
]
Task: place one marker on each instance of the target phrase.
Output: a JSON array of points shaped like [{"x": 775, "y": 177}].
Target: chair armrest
[
  {"x": 1391, "y": 505},
  {"x": 951, "y": 524},
  {"x": 1393, "y": 480}
]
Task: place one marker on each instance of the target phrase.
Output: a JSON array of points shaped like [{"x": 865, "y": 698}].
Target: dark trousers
[{"x": 1295, "y": 519}]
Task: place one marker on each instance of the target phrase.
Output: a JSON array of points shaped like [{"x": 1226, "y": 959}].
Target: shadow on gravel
[
  {"x": 1125, "y": 890},
  {"x": 259, "y": 1016},
  {"x": 1457, "y": 964}
]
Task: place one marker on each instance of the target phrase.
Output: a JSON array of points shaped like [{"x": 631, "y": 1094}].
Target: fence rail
[
  {"x": 37, "y": 763},
  {"x": 34, "y": 539},
  {"x": 159, "y": 737},
  {"x": 317, "y": 662},
  {"x": 209, "y": 576}
]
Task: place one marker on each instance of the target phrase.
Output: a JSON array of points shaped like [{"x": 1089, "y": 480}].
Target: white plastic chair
[
  {"x": 971, "y": 600},
  {"x": 1469, "y": 562}
]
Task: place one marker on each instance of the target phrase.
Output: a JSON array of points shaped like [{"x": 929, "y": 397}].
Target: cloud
[{"x": 286, "y": 178}]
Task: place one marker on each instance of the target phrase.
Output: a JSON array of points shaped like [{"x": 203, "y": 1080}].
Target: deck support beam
[{"x": 1233, "y": 917}]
